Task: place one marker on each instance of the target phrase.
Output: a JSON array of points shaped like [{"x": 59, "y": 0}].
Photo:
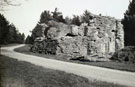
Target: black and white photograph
[{"x": 67, "y": 43}]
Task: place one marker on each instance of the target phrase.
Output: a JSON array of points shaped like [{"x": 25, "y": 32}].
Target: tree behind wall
[
  {"x": 45, "y": 17},
  {"x": 76, "y": 20},
  {"x": 87, "y": 16},
  {"x": 57, "y": 16},
  {"x": 129, "y": 24},
  {"x": 29, "y": 40}
]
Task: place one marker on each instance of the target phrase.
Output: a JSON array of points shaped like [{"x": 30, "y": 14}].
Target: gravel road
[{"x": 90, "y": 72}]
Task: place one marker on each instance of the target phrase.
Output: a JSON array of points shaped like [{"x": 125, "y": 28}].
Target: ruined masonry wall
[{"x": 102, "y": 36}]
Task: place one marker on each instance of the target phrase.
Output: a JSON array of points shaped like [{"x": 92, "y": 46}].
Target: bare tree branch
[
  {"x": 10, "y": 3},
  {"x": 6, "y": 3}
]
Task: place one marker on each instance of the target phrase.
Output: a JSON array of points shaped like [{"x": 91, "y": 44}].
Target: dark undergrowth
[{"x": 126, "y": 54}]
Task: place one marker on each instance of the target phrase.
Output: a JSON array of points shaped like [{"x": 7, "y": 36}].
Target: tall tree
[
  {"x": 68, "y": 20},
  {"x": 87, "y": 16},
  {"x": 29, "y": 40},
  {"x": 4, "y": 28},
  {"x": 45, "y": 17},
  {"x": 9, "y": 33},
  {"x": 76, "y": 20},
  {"x": 129, "y": 24},
  {"x": 57, "y": 16},
  {"x": 22, "y": 38}
]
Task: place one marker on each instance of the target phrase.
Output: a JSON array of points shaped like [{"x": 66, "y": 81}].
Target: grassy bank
[
  {"x": 7, "y": 45},
  {"x": 110, "y": 64},
  {"x": 14, "y": 73}
]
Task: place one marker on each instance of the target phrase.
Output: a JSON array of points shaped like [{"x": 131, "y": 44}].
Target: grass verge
[
  {"x": 14, "y": 73},
  {"x": 7, "y": 45},
  {"x": 110, "y": 64}
]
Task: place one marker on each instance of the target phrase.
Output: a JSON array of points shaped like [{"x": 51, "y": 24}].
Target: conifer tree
[{"x": 129, "y": 24}]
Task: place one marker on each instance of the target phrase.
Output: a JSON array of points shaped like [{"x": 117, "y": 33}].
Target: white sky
[{"x": 26, "y": 16}]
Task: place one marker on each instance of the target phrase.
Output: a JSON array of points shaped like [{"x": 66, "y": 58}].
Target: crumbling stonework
[
  {"x": 102, "y": 36},
  {"x": 39, "y": 30}
]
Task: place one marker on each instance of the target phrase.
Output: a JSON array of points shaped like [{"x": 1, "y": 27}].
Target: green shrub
[{"x": 125, "y": 55}]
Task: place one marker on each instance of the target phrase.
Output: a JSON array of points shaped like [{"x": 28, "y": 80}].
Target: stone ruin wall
[{"x": 102, "y": 36}]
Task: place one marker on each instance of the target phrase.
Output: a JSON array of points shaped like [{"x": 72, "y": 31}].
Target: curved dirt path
[{"x": 90, "y": 72}]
